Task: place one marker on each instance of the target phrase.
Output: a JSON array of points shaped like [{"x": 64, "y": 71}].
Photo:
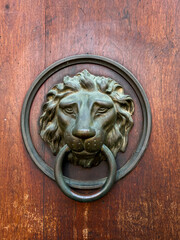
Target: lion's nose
[{"x": 84, "y": 133}]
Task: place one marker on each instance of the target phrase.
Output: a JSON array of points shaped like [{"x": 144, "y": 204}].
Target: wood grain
[{"x": 141, "y": 35}]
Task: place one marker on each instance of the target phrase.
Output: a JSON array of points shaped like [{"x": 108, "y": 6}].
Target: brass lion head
[{"x": 85, "y": 112}]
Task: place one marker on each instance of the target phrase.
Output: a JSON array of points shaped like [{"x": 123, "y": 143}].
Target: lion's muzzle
[
  {"x": 85, "y": 146},
  {"x": 90, "y": 145}
]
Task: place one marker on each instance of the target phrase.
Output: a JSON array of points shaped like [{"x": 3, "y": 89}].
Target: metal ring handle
[{"x": 79, "y": 197}]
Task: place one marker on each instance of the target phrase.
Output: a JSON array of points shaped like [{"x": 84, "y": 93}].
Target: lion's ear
[{"x": 125, "y": 109}]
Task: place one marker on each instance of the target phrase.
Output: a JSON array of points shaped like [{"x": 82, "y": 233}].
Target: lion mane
[{"x": 117, "y": 137}]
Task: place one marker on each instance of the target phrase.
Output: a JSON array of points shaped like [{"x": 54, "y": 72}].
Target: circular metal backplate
[{"x": 85, "y": 59}]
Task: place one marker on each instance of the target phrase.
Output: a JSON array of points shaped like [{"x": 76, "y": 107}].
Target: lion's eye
[
  {"x": 69, "y": 110},
  {"x": 101, "y": 110}
]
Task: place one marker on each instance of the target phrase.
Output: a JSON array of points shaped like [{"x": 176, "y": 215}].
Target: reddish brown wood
[
  {"x": 22, "y": 50},
  {"x": 141, "y": 35}
]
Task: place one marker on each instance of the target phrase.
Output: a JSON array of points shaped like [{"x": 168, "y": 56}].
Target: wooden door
[{"x": 142, "y": 35}]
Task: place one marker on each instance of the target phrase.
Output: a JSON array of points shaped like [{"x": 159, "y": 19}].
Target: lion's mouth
[
  {"x": 84, "y": 154},
  {"x": 84, "y": 158}
]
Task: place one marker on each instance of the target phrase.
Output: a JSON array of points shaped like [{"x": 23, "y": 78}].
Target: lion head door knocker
[{"x": 85, "y": 119}]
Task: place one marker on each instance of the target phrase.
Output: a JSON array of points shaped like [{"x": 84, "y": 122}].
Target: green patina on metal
[
  {"x": 82, "y": 113},
  {"x": 85, "y": 112}
]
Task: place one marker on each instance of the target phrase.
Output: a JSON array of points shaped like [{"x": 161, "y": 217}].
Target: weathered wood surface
[{"x": 141, "y": 35}]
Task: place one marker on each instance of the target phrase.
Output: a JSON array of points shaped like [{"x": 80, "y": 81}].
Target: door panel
[{"x": 142, "y": 36}]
